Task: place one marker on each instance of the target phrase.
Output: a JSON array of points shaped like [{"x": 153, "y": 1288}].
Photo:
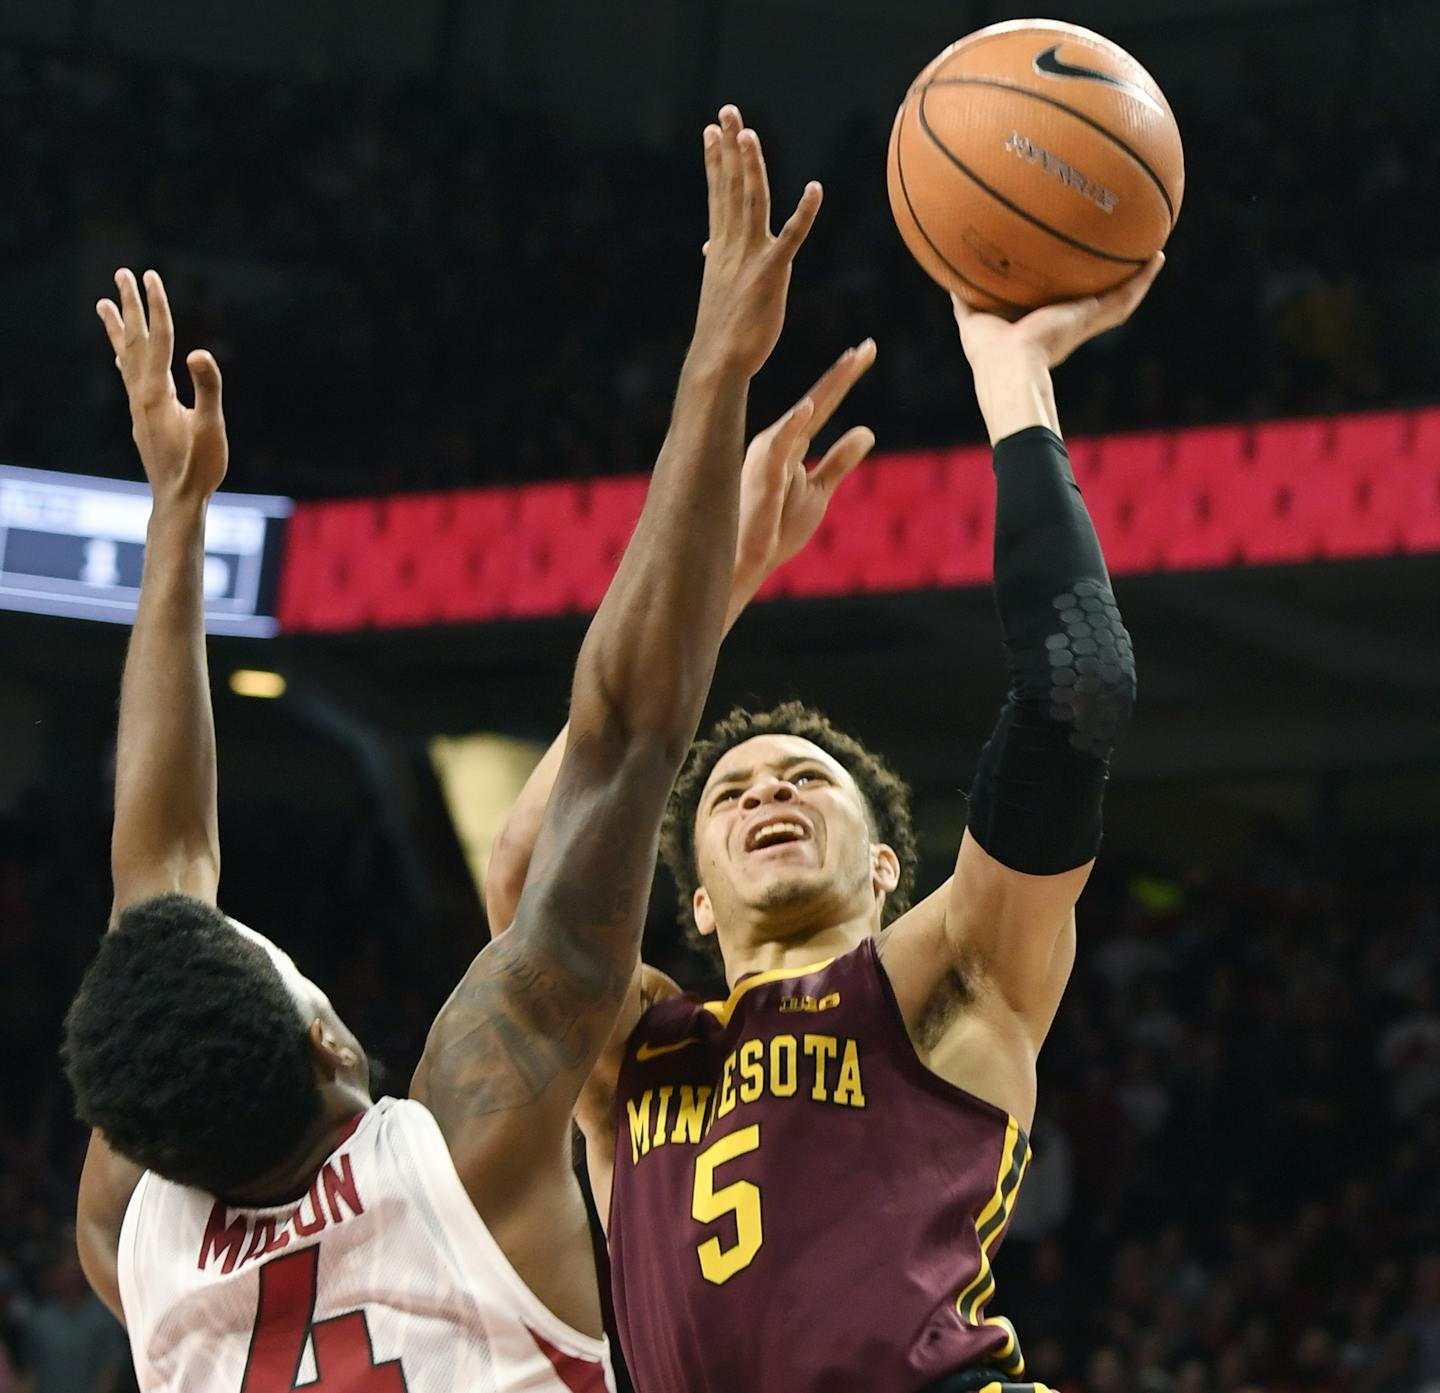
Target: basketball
[{"x": 1034, "y": 161}]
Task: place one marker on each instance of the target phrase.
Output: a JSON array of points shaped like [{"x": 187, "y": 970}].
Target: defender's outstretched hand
[
  {"x": 747, "y": 267},
  {"x": 184, "y": 449},
  {"x": 1053, "y": 332},
  {"x": 781, "y": 502}
]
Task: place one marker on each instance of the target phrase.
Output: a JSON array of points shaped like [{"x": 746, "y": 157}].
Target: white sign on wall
[{"x": 74, "y": 545}]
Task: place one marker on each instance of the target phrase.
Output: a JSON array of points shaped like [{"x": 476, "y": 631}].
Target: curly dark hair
[
  {"x": 887, "y": 799},
  {"x": 186, "y": 1050}
]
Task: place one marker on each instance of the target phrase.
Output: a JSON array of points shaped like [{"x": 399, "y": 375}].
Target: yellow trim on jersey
[
  {"x": 1008, "y": 1348},
  {"x": 990, "y": 1223},
  {"x": 724, "y": 1009},
  {"x": 1008, "y": 1356}
]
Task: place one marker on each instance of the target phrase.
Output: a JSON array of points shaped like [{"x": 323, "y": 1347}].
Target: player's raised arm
[
  {"x": 509, "y": 1052},
  {"x": 166, "y": 835},
  {"x": 1007, "y": 917}
]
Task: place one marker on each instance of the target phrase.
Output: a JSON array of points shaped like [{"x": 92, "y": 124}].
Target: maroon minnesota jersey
[{"x": 799, "y": 1204}]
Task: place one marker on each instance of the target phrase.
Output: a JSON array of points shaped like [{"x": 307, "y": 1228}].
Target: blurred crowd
[
  {"x": 1239, "y": 1134},
  {"x": 1236, "y": 1155},
  {"x": 409, "y": 290}
]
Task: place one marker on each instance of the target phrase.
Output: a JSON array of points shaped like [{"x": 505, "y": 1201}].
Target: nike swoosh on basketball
[
  {"x": 1050, "y": 64},
  {"x": 649, "y": 1051}
]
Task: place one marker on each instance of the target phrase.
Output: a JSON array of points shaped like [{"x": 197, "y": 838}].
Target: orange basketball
[{"x": 1034, "y": 161}]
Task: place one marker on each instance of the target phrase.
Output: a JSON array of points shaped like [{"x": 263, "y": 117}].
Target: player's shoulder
[
  {"x": 391, "y": 1111},
  {"x": 392, "y": 1137},
  {"x": 656, "y": 986},
  {"x": 670, "y": 1013},
  {"x": 389, "y": 1117}
]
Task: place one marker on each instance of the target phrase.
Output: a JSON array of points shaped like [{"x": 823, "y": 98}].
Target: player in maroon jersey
[
  {"x": 224, "y": 1092},
  {"x": 807, "y": 1182}
]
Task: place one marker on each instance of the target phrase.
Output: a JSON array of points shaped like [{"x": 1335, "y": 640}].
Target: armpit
[{"x": 951, "y": 995}]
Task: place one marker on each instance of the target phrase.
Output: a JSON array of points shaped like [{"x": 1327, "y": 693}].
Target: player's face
[{"x": 781, "y": 831}]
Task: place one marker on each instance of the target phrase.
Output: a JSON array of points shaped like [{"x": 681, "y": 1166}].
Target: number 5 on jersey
[
  {"x": 740, "y": 1198},
  {"x": 285, "y": 1322}
]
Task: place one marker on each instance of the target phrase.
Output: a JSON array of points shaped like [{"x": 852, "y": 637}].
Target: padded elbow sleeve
[{"x": 1035, "y": 804}]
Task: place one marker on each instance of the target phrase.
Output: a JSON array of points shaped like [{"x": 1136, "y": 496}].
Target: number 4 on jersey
[{"x": 344, "y": 1359}]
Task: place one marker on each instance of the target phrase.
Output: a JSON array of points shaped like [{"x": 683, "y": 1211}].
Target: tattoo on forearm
[
  {"x": 541, "y": 1000},
  {"x": 524, "y": 1014}
]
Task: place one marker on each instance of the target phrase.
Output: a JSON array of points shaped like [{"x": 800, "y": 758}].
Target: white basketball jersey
[{"x": 382, "y": 1279}]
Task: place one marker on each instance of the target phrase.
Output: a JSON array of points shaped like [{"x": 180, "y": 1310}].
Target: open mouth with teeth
[{"x": 779, "y": 833}]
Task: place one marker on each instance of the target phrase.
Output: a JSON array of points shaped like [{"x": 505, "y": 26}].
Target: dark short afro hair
[
  {"x": 186, "y": 1050},
  {"x": 887, "y": 799}
]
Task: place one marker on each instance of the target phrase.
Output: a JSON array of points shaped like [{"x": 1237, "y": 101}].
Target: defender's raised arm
[{"x": 166, "y": 833}]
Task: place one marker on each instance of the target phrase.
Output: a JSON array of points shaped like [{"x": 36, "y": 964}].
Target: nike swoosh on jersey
[
  {"x": 1050, "y": 64},
  {"x": 649, "y": 1051}
]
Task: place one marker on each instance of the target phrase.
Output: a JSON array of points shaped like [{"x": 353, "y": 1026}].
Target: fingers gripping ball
[{"x": 1032, "y": 162}]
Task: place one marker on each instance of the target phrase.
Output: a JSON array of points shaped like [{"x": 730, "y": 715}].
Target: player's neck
[
  {"x": 292, "y": 1177},
  {"x": 759, "y": 950}
]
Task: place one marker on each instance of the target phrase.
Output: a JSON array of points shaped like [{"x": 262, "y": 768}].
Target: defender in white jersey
[
  {"x": 364, "y": 1282},
  {"x": 256, "y": 1219}
]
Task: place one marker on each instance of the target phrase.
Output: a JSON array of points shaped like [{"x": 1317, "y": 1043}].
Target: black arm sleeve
[{"x": 1035, "y": 805}]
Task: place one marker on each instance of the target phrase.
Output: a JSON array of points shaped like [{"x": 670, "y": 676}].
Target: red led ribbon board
[{"x": 1282, "y": 491}]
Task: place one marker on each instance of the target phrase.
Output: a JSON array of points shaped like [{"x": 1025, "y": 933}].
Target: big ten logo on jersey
[
  {"x": 809, "y": 1004},
  {"x": 333, "y": 1197},
  {"x": 809, "y": 1068}
]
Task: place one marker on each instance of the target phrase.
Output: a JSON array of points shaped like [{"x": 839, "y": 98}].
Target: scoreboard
[{"x": 74, "y": 545}]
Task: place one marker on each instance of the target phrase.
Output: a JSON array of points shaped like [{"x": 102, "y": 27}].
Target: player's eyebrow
[
  {"x": 743, "y": 776},
  {"x": 736, "y": 776}
]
